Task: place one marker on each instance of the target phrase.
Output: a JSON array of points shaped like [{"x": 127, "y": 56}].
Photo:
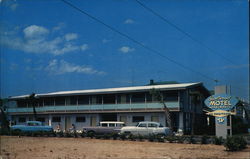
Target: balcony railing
[{"x": 99, "y": 107}]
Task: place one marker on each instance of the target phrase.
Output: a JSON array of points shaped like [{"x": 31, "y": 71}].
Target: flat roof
[{"x": 114, "y": 90}]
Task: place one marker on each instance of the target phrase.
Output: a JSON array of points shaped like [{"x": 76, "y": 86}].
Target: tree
[
  {"x": 4, "y": 121},
  {"x": 31, "y": 101},
  {"x": 157, "y": 95}
]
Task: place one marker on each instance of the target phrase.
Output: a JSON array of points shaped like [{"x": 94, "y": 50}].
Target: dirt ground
[{"x": 83, "y": 148}]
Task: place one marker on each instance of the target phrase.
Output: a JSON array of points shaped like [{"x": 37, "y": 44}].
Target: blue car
[{"x": 31, "y": 126}]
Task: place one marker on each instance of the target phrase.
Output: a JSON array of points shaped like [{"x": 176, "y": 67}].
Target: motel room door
[
  {"x": 92, "y": 121},
  {"x": 67, "y": 123}
]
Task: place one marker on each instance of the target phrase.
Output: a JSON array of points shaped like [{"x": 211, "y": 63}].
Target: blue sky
[{"x": 47, "y": 46}]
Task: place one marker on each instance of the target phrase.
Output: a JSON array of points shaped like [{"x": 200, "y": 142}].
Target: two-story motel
[{"x": 128, "y": 104}]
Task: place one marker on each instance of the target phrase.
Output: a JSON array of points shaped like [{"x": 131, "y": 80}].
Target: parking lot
[{"x": 85, "y": 148}]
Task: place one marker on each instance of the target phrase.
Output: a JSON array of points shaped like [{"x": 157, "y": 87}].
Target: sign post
[{"x": 221, "y": 106}]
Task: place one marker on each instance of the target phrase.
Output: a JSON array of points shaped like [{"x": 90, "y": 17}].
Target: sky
[{"x": 48, "y": 46}]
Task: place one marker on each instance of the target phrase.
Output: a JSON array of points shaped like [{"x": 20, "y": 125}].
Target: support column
[
  {"x": 224, "y": 128},
  {"x": 50, "y": 120},
  {"x": 181, "y": 125}
]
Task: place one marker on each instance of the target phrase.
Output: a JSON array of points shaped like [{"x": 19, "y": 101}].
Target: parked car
[
  {"x": 105, "y": 127},
  {"x": 31, "y": 126},
  {"x": 146, "y": 128}
]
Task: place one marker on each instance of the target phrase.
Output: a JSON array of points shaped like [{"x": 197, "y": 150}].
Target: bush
[
  {"x": 235, "y": 143},
  {"x": 59, "y": 134},
  {"x": 191, "y": 140},
  {"x": 106, "y": 136},
  {"x": 218, "y": 140},
  {"x": 160, "y": 138},
  {"x": 114, "y": 136},
  {"x": 171, "y": 139},
  {"x": 123, "y": 136},
  {"x": 131, "y": 137},
  {"x": 204, "y": 139},
  {"x": 151, "y": 137},
  {"x": 180, "y": 139},
  {"x": 140, "y": 137}
]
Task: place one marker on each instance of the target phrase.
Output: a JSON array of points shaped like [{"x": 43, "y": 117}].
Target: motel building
[{"x": 128, "y": 104}]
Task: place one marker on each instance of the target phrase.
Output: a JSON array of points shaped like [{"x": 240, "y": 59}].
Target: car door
[
  {"x": 142, "y": 129},
  {"x": 152, "y": 128}
]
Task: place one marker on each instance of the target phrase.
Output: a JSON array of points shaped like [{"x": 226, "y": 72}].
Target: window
[
  {"x": 149, "y": 97},
  {"x": 170, "y": 96},
  {"x": 56, "y": 119},
  {"x": 152, "y": 125},
  {"x": 73, "y": 100},
  {"x": 137, "y": 119},
  {"x": 111, "y": 125},
  {"x": 80, "y": 119},
  {"x": 98, "y": 99},
  {"x": 33, "y": 124},
  {"x": 21, "y": 119},
  {"x": 104, "y": 125},
  {"x": 83, "y": 100},
  {"x": 144, "y": 125},
  {"x": 109, "y": 99},
  {"x": 60, "y": 101},
  {"x": 48, "y": 102},
  {"x": 138, "y": 98},
  {"x": 21, "y": 103}
]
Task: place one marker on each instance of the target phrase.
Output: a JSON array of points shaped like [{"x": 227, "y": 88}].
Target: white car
[{"x": 146, "y": 128}]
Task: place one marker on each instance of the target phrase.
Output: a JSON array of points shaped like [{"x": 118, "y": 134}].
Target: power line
[
  {"x": 135, "y": 41},
  {"x": 182, "y": 31}
]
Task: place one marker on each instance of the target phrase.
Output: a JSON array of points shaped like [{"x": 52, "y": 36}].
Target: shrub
[
  {"x": 106, "y": 136},
  {"x": 131, "y": 137},
  {"x": 235, "y": 143},
  {"x": 123, "y": 136},
  {"x": 114, "y": 136},
  {"x": 59, "y": 134},
  {"x": 170, "y": 139},
  {"x": 180, "y": 139},
  {"x": 204, "y": 139},
  {"x": 67, "y": 134},
  {"x": 91, "y": 134},
  {"x": 160, "y": 138},
  {"x": 191, "y": 140},
  {"x": 151, "y": 137},
  {"x": 140, "y": 137},
  {"x": 218, "y": 140}
]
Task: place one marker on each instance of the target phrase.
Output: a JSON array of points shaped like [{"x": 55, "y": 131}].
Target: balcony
[{"x": 99, "y": 107}]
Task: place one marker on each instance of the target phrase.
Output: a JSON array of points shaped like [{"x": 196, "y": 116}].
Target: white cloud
[
  {"x": 62, "y": 67},
  {"x": 35, "y": 31},
  {"x": 129, "y": 21},
  {"x": 126, "y": 49},
  {"x": 84, "y": 47},
  {"x": 70, "y": 36},
  {"x": 36, "y": 40}
]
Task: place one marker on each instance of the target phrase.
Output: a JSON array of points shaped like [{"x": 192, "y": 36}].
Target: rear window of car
[
  {"x": 143, "y": 125},
  {"x": 152, "y": 125},
  {"x": 104, "y": 125},
  {"x": 111, "y": 124}
]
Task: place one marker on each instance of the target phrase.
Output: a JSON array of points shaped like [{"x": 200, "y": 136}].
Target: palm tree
[
  {"x": 31, "y": 101},
  {"x": 4, "y": 121},
  {"x": 157, "y": 95}
]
